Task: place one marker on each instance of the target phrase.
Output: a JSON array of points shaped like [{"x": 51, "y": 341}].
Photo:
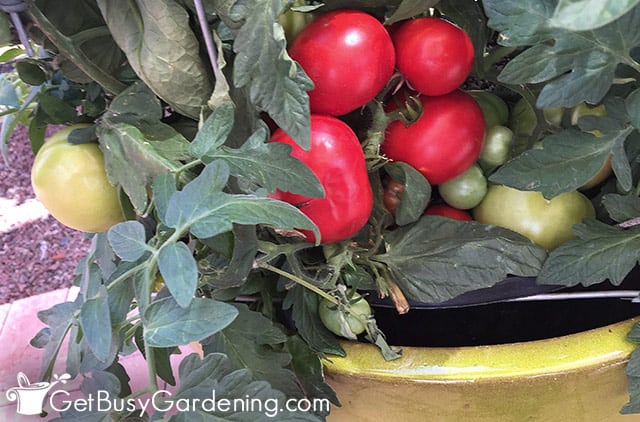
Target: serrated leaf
[
  {"x": 167, "y": 324},
  {"x": 251, "y": 342},
  {"x": 437, "y": 258},
  {"x": 8, "y": 95},
  {"x": 157, "y": 39},
  {"x": 304, "y": 312},
  {"x": 408, "y": 9},
  {"x": 208, "y": 211},
  {"x": 308, "y": 369},
  {"x": 276, "y": 83},
  {"x": 270, "y": 165},
  {"x": 215, "y": 372},
  {"x": 632, "y": 105},
  {"x": 179, "y": 270},
  {"x": 568, "y": 160},
  {"x": 584, "y": 15},
  {"x": 137, "y": 101},
  {"x": 416, "y": 195},
  {"x": 123, "y": 144},
  {"x": 600, "y": 252},
  {"x": 621, "y": 207},
  {"x": 95, "y": 320},
  {"x": 214, "y": 131},
  {"x": 575, "y": 66},
  {"x": 128, "y": 240}
]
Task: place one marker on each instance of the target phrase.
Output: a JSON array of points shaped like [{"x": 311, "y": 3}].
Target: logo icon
[{"x": 31, "y": 397}]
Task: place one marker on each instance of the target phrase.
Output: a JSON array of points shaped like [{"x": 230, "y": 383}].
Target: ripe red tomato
[
  {"x": 337, "y": 160},
  {"x": 349, "y": 57},
  {"x": 434, "y": 55},
  {"x": 445, "y": 140},
  {"x": 448, "y": 211}
]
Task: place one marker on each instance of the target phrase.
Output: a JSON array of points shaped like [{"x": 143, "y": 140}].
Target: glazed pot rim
[{"x": 604, "y": 346}]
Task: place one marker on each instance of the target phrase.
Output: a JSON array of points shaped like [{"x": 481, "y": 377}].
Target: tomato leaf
[
  {"x": 408, "y": 9},
  {"x": 574, "y": 65},
  {"x": 269, "y": 165},
  {"x": 214, "y": 131},
  {"x": 308, "y": 369},
  {"x": 95, "y": 320},
  {"x": 567, "y": 161},
  {"x": 438, "y": 258},
  {"x": 168, "y": 324},
  {"x": 179, "y": 270},
  {"x": 416, "y": 195},
  {"x": 128, "y": 240},
  {"x": 208, "y": 211},
  {"x": 304, "y": 311},
  {"x": 161, "y": 48},
  {"x": 276, "y": 84},
  {"x": 600, "y": 252},
  {"x": 253, "y": 342},
  {"x": 585, "y": 15},
  {"x": 155, "y": 152},
  {"x": 621, "y": 207}
]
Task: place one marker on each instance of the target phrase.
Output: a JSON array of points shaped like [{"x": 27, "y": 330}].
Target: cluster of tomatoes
[{"x": 350, "y": 57}]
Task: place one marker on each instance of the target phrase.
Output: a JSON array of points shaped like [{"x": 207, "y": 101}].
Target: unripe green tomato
[
  {"x": 547, "y": 222},
  {"x": 497, "y": 146},
  {"x": 293, "y": 22},
  {"x": 465, "y": 191},
  {"x": 553, "y": 115},
  {"x": 494, "y": 109},
  {"x": 343, "y": 323},
  {"x": 71, "y": 182}
]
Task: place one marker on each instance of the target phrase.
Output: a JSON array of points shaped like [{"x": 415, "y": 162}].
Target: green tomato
[
  {"x": 465, "y": 191},
  {"x": 547, "y": 222},
  {"x": 497, "y": 146},
  {"x": 494, "y": 109},
  {"x": 71, "y": 182},
  {"x": 341, "y": 322},
  {"x": 553, "y": 115}
]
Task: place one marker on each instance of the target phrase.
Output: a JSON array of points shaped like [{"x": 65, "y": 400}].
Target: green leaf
[
  {"x": 567, "y": 161},
  {"x": 137, "y": 101},
  {"x": 157, "y": 39},
  {"x": 308, "y": 369},
  {"x": 95, "y": 320},
  {"x": 408, "y": 9},
  {"x": 8, "y": 95},
  {"x": 276, "y": 83},
  {"x": 632, "y": 105},
  {"x": 252, "y": 342},
  {"x": 437, "y": 258},
  {"x": 214, "y": 131},
  {"x": 585, "y": 15},
  {"x": 243, "y": 255},
  {"x": 125, "y": 144},
  {"x": 179, "y": 270},
  {"x": 600, "y": 252},
  {"x": 128, "y": 240},
  {"x": 621, "y": 207},
  {"x": 167, "y": 324},
  {"x": 163, "y": 187},
  {"x": 215, "y": 372},
  {"x": 57, "y": 110},
  {"x": 208, "y": 211},
  {"x": 270, "y": 165},
  {"x": 416, "y": 195},
  {"x": 304, "y": 312},
  {"x": 574, "y": 65}
]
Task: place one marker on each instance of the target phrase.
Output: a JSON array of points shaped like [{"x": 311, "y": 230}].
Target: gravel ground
[{"x": 37, "y": 255}]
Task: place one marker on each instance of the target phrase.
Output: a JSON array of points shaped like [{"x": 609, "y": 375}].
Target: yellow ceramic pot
[{"x": 578, "y": 377}]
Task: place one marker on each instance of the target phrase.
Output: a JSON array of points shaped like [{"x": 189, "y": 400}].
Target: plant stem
[
  {"x": 300, "y": 281},
  {"x": 67, "y": 47}
]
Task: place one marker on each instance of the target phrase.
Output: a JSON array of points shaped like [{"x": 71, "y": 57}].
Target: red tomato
[
  {"x": 448, "y": 211},
  {"x": 445, "y": 140},
  {"x": 434, "y": 55},
  {"x": 336, "y": 158},
  {"x": 349, "y": 57}
]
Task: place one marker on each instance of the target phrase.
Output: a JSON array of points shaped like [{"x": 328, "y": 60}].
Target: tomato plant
[
  {"x": 466, "y": 190},
  {"x": 445, "y": 210},
  {"x": 496, "y": 148},
  {"x": 345, "y": 323},
  {"x": 334, "y": 46},
  {"x": 547, "y": 222},
  {"x": 494, "y": 108},
  {"x": 71, "y": 181},
  {"x": 444, "y": 142},
  {"x": 337, "y": 160},
  {"x": 434, "y": 55}
]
